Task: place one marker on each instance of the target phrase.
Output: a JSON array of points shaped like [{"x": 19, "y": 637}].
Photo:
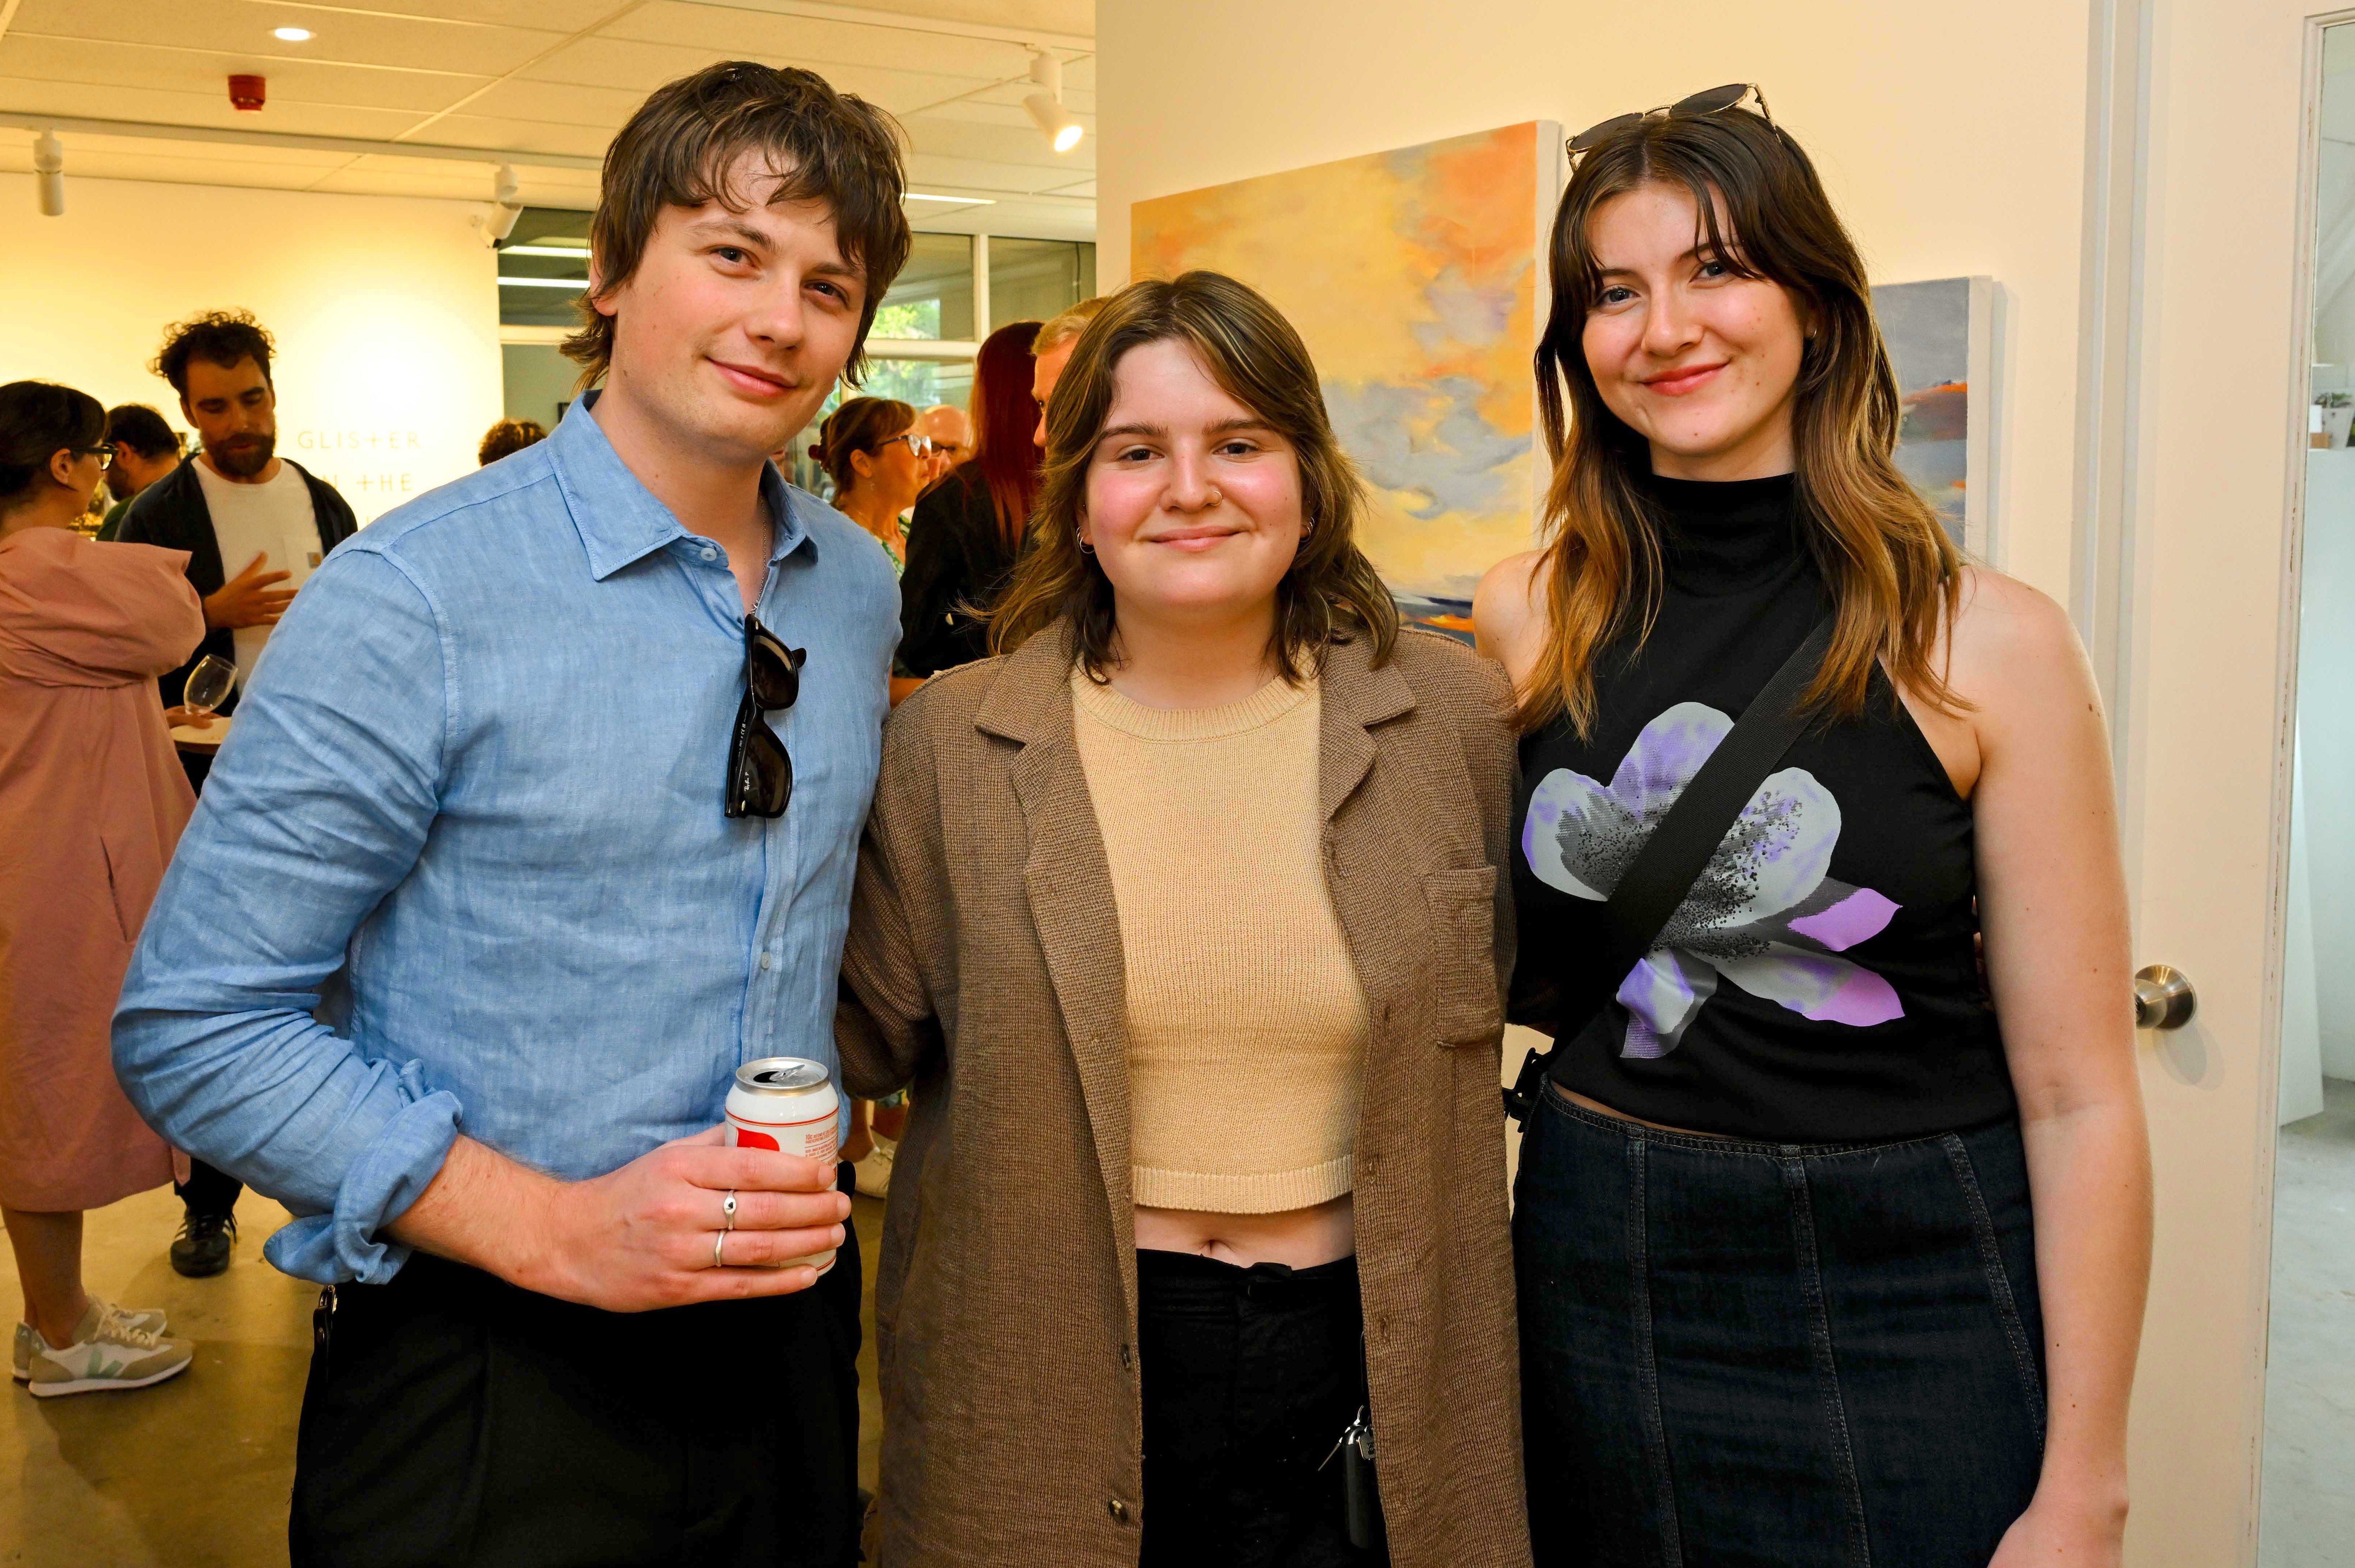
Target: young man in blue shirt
[{"x": 530, "y": 834}]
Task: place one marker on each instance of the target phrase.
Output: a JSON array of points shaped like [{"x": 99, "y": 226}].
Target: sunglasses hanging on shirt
[
  {"x": 1715, "y": 101},
  {"x": 760, "y": 770}
]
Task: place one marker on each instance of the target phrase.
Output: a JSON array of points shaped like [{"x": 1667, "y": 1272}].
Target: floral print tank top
[{"x": 1820, "y": 983}]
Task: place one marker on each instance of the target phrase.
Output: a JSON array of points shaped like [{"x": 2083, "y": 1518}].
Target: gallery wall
[
  {"x": 385, "y": 311},
  {"x": 1951, "y": 137}
]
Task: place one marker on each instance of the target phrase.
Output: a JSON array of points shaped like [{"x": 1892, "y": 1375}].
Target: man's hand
[
  {"x": 642, "y": 1236},
  {"x": 248, "y": 600}
]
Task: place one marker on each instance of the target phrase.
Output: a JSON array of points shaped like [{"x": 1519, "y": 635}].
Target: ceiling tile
[
  {"x": 739, "y": 30},
  {"x": 239, "y": 30},
  {"x": 108, "y": 65},
  {"x": 614, "y": 63}
]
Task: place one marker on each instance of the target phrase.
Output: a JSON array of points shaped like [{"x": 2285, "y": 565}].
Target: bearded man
[{"x": 240, "y": 507}]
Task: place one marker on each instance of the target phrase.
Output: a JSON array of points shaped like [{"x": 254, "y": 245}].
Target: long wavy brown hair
[
  {"x": 1257, "y": 358},
  {"x": 1894, "y": 576}
]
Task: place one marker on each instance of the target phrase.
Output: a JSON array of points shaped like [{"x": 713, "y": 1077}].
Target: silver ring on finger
[
  {"x": 719, "y": 1240},
  {"x": 728, "y": 1211}
]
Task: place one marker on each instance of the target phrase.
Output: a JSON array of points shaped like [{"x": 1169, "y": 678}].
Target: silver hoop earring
[{"x": 1086, "y": 547}]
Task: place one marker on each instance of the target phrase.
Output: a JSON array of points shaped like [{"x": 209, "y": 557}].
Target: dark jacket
[
  {"x": 984, "y": 962},
  {"x": 172, "y": 513},
  {"x": 957, "y": 556}
]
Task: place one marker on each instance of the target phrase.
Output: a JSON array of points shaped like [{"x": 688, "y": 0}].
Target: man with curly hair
[{"x": 254, "y": 524}]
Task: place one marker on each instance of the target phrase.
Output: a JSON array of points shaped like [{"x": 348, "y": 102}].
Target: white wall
[
  {"x": 1952, "y": 138},
  {"x": 385, "y": 311}
]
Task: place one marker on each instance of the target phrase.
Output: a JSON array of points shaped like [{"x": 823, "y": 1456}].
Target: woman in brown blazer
[{"x": 1183, "y": 914}]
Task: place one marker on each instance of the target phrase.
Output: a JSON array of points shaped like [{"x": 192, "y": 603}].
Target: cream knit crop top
[{"x": 1247, "y": 1027}]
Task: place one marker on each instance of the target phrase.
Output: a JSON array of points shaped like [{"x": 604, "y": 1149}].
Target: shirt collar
[{"x": 619, "y": 519}]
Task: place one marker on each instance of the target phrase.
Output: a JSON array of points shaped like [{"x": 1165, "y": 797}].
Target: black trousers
[
  {"x": 1250, "y": 1377},
  {"x": 453, "y": 1419},
  {"x": 208, "y": 1190}
]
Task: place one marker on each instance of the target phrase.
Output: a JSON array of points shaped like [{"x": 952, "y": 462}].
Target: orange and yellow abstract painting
[{"x": 1415, "y": 278}]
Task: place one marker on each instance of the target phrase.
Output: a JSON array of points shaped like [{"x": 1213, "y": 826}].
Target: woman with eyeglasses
[
  {"x": 879, "y": 461},
  {"x": 91, "y": 803},
  {"x": 1832, "y": 1245},
  {"x": 1182, "y": 914}
]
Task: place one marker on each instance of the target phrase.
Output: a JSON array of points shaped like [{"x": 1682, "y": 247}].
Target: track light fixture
[
  {"x": 1046, "y": 105},
  {"x": 506, "y": 206},
  {"x": 49, "y": 163}
]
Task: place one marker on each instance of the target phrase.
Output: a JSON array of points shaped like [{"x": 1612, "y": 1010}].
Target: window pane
[
  {"x": 933, "y": 296},
  {"x": 1031, "y": 280},
  {"x": 537, "y": 290}
]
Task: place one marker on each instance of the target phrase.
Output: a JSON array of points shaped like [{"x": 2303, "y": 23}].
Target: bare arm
[
  {"x": 2052, "y": 907},
  {"x": 639, "y": 1237}
]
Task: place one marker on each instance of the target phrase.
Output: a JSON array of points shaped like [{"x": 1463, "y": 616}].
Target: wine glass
[{"x": 208, "y": 688}]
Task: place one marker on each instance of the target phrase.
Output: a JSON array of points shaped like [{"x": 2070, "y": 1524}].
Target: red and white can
[{"x": 786, "y": 1103}]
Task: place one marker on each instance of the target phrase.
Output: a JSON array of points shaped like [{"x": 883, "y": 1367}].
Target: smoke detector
[{"x": 248, "y": 93}]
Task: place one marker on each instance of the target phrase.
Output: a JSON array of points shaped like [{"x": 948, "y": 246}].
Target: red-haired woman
[{"x": 967, "y": 531}]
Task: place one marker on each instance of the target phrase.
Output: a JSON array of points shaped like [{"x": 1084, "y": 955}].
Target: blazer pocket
[{"x": 1465, "y": 1006}]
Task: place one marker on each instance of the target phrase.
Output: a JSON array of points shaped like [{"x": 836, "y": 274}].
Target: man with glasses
[
  {"x": 547, "y": 806},
  {"x": 145, "y": 449}
]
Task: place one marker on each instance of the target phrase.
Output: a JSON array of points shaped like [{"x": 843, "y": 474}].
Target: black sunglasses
[
  {"x": 1715, "y": 101},
  {"x": 760, "y": 771}
]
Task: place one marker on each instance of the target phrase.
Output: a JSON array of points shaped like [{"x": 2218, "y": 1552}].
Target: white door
[{"x": 2195, "y": 400}]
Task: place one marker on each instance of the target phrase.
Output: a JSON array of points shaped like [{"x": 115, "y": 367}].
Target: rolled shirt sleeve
[{"x": 318, "y": 805}]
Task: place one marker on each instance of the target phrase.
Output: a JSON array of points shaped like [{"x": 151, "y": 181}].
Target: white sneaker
[
  {"x": 107, "y": 1352},
  {"x": 149, "y": 1319},
  {"x": 873, "y": 1174}
]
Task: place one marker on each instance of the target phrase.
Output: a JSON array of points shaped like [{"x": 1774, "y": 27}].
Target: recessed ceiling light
[{"x": 291, "y": 35}]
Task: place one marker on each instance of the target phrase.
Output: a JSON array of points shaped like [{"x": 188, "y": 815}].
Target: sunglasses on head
[
  {"x": 1715, "y": 101},
  {"x": 760, "y": 770}
]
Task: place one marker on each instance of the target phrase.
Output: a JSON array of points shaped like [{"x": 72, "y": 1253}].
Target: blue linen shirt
[{"x": 462, "y": 866}]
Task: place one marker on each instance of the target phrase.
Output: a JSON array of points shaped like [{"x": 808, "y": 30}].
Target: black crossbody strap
[{"x": 1672, "y": 860}]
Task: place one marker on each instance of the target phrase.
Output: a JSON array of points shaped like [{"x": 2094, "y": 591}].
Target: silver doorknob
[{"x": 2163, "y": 998}]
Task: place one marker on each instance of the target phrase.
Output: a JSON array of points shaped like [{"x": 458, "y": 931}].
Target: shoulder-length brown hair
[
  {"x": 1256, "y": 357},
  {"x": 1892, "y": 572}
]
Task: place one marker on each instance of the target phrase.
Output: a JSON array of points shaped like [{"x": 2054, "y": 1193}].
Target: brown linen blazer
[{"x": 983, "y": 963}]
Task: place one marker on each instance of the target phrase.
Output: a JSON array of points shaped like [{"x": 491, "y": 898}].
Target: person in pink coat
[{"x": 91, "y": 803}]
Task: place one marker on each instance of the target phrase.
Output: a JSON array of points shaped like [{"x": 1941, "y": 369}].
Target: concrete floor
[
  {"x": 194, "y": 1472},
  {"x": 2309, "y": 1497}
]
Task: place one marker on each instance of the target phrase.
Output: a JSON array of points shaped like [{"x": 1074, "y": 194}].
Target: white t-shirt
[{"x": 273, "y": 519}]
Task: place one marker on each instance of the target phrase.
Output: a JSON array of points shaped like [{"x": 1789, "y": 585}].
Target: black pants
[
  {"x": 1774, "y": 1355},
  {"x": 453, "y": 1419},
  {"x": 208, "y": 1190},
  {"x": 1250, "y": 1377}
]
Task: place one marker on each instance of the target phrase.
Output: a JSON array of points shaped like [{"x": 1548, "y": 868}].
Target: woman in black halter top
[{"x": 1832, "y": 1232}]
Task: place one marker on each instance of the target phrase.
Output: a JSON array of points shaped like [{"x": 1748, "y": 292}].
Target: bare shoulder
[
  {"x": 1508, "y": 612},
  {"x": 2006, "y": 629},
  {"x": 2015, "y": 655}
]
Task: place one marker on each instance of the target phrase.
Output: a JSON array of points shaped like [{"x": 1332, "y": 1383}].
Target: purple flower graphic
[{"x": 1763, "y": 914}]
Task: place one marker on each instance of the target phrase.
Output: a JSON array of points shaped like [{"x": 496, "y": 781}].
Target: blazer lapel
[
  {"x": 1068, "y": 884},
  {"x": 1362, "y": 845}
]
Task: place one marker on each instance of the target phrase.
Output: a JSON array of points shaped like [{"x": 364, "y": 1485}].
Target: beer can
[{"x": 786, "y": 1103}]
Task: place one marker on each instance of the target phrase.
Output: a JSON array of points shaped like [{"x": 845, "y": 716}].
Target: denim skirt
[{"x": 1774, "y": 1355}]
